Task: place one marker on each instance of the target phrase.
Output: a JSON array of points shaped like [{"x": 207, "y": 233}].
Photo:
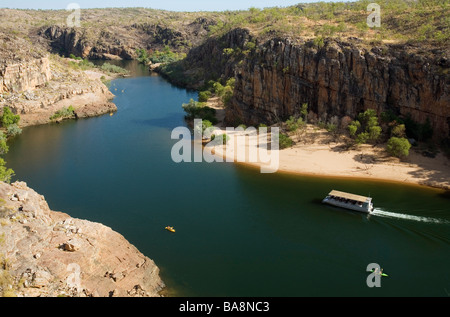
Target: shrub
[
  {"x": 293, "y": 124},
  {"x": 199, "y": 110},
  {"x": 113, "y": 69},
  {"x": 399, "y": 131},
  {"x": 166, "y": 56},
  {"x": 366, "y": 128},
  {"x": 319, "y": 42},
  {"x": 304, "y": 112},
  {"x": 203, "y": 96},
  {"x": 285, "y": 141},
  {"x": 142, "y": 56},
  {"x": 398, "y": 147},
  {"x": 362, "y": 138},
  {"x": 8, "y": 118},
  {"x": 85, "y": 64},
  {"x": 225, "y": 138},
  {"x": 5, "y": 173},
  {"x": 13, "y": 130},
  {"x": 64, "y": 113},
  {"x": 218, "y": 89},
  {"x": 3, "y": 145},
  {"x": 75, "y": 57},
  {"x": 353, "y": 127},
  {"x": 227, "y": 94}
]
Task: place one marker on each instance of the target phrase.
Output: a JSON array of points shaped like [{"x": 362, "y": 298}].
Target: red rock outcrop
[{"x": 342, "y": 79}]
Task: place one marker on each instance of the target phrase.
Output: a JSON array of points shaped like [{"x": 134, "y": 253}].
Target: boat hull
[{"x": 347, "y": 206}]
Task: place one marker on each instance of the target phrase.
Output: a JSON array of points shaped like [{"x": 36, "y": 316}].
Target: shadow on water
[
  {"x": 166, "y": 122},
  {"x": 445, "y": 195}
]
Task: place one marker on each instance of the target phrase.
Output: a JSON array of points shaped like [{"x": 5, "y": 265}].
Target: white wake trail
[{"x": 387, "y": 214}]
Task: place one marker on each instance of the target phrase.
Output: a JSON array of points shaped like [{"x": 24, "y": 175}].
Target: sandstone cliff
[
  {"x": 121, "y": 41},
  {"x": 37, "y": 88},
  {"x": 23, "y": 76},
  {"x": 275, "y": 77},
  {"x": 342, "y": 78},
  {"x": 46, "y": 253}
]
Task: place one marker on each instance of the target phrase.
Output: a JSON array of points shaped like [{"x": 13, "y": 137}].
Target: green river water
[{"x": 239, "y": 232}]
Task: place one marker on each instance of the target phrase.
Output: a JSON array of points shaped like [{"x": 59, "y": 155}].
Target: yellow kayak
[{"x": 171, "y": 229}]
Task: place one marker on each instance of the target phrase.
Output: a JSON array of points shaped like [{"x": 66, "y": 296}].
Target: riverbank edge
[
  {"x": 294, "y": 167},
  {"x": 88, "y": 110}
]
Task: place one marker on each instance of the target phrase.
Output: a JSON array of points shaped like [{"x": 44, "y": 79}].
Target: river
[{"x": 238, "y": 232}]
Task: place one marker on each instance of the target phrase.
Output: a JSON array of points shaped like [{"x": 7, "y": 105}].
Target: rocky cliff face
[
  {"x": 48, "y": 254},
  {"x": 339, "y": 79},
  {"x": 17, "y": 77},
  {"x": 214, "y": 59},
  {"x": 37, "y": 88},
  {"x": 121, "y": 41}
]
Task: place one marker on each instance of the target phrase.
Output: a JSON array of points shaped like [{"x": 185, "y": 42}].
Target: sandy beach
[{"x": 319, "y": 153}]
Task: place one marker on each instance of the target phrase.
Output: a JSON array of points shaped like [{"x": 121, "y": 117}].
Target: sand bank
[{"x": 319, "y": 153}]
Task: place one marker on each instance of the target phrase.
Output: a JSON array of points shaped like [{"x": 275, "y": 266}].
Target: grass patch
[{"x": 64, "y": 113}]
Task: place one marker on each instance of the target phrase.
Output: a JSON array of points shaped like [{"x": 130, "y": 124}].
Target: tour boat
[{"x": 349, "y": 201}]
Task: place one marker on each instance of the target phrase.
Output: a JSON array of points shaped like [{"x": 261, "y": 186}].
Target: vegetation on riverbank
[
  {"x": 63, "y": 114},
  {"x": 10, "y": 123},
  {"x": 84, "y": 64}
]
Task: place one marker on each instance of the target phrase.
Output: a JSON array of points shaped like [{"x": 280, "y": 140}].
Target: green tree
[
  {"x": 304, "y": 112},
  {"x": 293, "y": 124},
  {"x": 142, "y": 55},
  {"x": 13, "y": 130},
  {"x": 203, "y": 96},
  {"x": 5, "y": 173},
  {"x": 398, "y": 147},
  {"x": 399, "y": 131},
  {"x": 366, "y": 128},
  {"x": 7, "y": 118},
  {"x": 285, "y": 141},
  {"x": 3, "y": 145},
  {"x": 353, "y": 128}
]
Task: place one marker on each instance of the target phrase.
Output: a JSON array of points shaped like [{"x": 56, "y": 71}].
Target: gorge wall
[
  {"x": 36, "y": 88},
  {"x": 341, "y": 79},
  {"x": 121, "y": 41},
  {"x": 19, "y": 77}
]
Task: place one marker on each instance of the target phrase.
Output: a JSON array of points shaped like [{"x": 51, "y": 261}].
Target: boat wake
[{"x": 387, "y": 214}]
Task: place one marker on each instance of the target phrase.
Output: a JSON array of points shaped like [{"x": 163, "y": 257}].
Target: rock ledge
[{"x": 44, "y": 253}]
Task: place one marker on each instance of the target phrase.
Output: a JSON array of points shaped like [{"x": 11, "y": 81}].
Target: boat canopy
[{"x": 337, "y": 193}]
